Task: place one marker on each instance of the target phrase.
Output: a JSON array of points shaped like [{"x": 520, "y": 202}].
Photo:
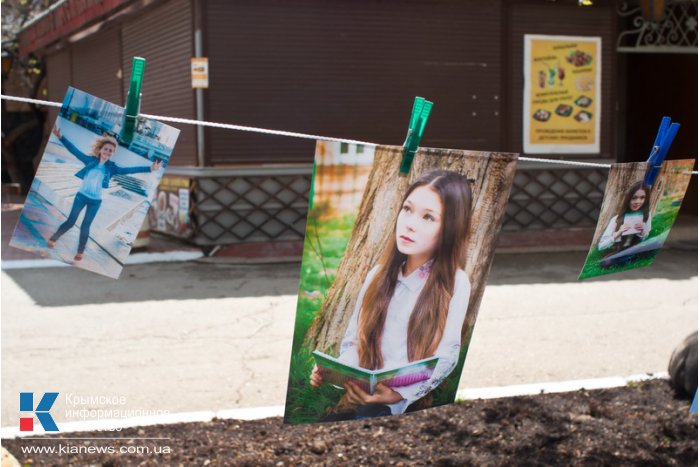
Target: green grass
[
  {"x": 662, "y": 221},
  {"x": 324, "y": 245}
]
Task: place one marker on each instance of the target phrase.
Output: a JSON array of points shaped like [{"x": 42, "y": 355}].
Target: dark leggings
[{"x": 81, "y": 201}]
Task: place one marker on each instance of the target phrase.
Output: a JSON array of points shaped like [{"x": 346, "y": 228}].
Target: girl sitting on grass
[
  {"x": 412, "y": 305},
  {"x": 632, "y": 222}
]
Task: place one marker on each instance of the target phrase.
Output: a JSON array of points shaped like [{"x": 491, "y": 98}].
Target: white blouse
[{"x": 395, "y": 335}]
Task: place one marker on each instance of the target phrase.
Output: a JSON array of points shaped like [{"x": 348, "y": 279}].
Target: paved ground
[{"x": 210, "y": 336}]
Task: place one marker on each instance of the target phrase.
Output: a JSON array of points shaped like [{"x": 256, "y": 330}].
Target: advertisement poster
[
  {"x": 561, "y": 99},
  {"x": 170, "y": 213}
]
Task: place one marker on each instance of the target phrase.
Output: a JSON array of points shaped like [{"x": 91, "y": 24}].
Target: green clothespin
[
  {"x": 419, "y": 118},
  {"x": 133, "y": 100}
]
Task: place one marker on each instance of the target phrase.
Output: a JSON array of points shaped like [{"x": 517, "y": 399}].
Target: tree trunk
[{"x": 493, "y": 175}]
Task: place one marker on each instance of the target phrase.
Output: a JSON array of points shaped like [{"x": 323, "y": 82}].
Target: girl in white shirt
[
  {"x": 632, "y": 222},
  {"x": 413, "y": 304}
]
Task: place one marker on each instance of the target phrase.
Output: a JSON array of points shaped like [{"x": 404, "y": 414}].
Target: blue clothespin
[
  {"x": 662, "y": 143},
  {"x": 416, "y": 126},
  {"x": 694, "y": 405},
  {"x": 133, "y": 100}
]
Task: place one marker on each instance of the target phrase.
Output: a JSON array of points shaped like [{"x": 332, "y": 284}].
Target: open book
[
  {"x": 630, "y": 220},
  {"x": 648, "y": 245},
  {"x": 338, "y": 373}
]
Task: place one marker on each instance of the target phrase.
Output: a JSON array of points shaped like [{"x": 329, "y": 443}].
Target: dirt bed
[{"x": 642, "y": 424}]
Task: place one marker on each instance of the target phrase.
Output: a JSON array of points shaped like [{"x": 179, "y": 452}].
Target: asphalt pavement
[{"x": 202, "y": 335}]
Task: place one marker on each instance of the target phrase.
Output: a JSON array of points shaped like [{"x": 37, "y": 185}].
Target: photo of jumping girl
[
  {"x": 632, "y": 222},
  {"x": 95, "y": 176},
  {"x": 412, "y": 305}
]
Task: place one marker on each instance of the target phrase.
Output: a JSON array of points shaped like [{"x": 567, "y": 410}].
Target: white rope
[
  {"x": 254, "y": 129},
  {"x": 30, "y": 101},
  {"x": 292, "y": 134},
  {"x": 209, "y": 124},
  {"x": 556, "y": 161}
]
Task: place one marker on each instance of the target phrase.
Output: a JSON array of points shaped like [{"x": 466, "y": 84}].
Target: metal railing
[{"x": 269, "y": 203}]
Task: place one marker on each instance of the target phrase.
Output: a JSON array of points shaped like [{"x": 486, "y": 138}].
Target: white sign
[{"x": 200, "y": 72}]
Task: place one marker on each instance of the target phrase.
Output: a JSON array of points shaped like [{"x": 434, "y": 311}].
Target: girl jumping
[{"x": 96, "y": 174}]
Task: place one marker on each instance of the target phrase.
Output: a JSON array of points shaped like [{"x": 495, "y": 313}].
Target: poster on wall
[
  {"x": 561, "y": 98},
  {"x": 170, "y": 212}
]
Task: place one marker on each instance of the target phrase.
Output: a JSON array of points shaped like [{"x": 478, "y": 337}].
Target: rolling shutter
[
  {"x": 350, "y": 70},
  {"x": 58, "y": 73},
  {"x": 163, "y": 36},
  {"x": 96, "y": 63}
]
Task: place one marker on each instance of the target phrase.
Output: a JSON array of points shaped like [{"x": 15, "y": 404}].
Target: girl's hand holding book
[
  {"x": 382, "y": 395},
  {"x": 315, "y": 379}
]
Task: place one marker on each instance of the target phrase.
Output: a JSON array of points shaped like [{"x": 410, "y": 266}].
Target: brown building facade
[{"x": 350, "y": 69}]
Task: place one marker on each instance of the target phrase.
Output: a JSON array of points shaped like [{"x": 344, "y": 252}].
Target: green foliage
[{"x": 324, "y": 244}]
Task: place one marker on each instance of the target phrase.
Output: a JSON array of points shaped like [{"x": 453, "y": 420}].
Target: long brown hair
[
  {"x": 625, "y": 205},
  {"x": 427, "y": 321}
]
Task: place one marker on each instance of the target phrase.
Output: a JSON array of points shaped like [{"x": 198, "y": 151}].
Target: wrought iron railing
[
  {"x": 268, "y": 204},
  {"x": 547, "y": 196},
  {"x": 658, "y": 26},
  {"x": 249, "y": 204}
]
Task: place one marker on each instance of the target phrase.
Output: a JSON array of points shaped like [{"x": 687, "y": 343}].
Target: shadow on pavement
[
  {"x": 54, "y": 287},
  {"x": 679, "y": 261},
  {"x": 203, "y": 280}
]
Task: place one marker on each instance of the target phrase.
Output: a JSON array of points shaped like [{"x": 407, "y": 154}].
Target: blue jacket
[{"x": 90, "y": 161}]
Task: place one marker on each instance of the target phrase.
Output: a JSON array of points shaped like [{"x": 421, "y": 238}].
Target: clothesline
[{"x": 292, "y": 134}]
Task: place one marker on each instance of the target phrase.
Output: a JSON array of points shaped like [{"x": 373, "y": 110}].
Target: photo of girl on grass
[
  {"x": 635, "y": 218},
  {"x": 393, "y": 271},
  {"x": 632, "y": 222}
]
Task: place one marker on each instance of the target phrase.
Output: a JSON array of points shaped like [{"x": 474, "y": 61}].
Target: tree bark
[{"x": 493, "y": 175}]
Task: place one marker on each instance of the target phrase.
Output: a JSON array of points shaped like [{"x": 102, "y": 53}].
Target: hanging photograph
[
  {"x": 393, "y": 271},
  {"x": 636, "y": 218},
  {"x": 561, "y": 98},
  {"x": 92, "y": 191}
]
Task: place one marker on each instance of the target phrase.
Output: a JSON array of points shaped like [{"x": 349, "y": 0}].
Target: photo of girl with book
[
  {"x": 413, "y": 303},
  {"x": 632, "y": 222},
  {"x": 392, "y": 275},
  {"x": 635, "y": 217},
  {"x": 95, "y": 176}
]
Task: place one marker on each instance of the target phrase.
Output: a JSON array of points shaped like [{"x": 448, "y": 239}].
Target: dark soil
[{"x": 642, "y": 424}]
